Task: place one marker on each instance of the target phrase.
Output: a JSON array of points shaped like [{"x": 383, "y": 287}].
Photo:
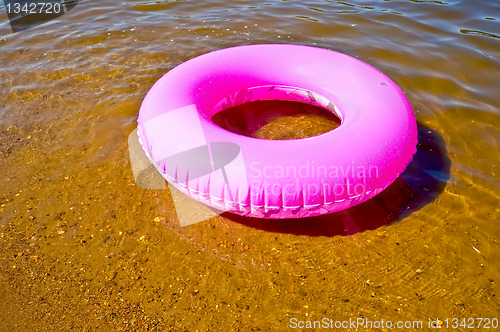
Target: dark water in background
[{"x": 81, "y": 242}]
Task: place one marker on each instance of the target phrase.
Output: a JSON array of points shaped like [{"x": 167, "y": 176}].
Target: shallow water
[{"x": 83, "y": 247}]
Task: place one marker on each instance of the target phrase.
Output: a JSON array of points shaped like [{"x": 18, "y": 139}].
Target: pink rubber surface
[{"x": 378, "y": 130}]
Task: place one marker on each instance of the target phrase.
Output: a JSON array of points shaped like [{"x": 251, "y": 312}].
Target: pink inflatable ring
[{"x": 297, "y": 178}]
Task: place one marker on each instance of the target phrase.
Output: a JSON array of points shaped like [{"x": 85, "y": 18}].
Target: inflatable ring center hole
[
  {"x": 276, "y": 112},
  {"x": 276, "y": 119}
]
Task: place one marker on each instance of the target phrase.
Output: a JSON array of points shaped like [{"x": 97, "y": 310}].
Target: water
[{"x": 82, "y": 247}]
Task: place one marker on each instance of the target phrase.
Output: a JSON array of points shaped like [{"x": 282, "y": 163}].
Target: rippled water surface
[{"x": 82, "y": 247}]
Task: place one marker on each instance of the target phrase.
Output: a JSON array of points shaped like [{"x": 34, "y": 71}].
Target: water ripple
[{"x": 479, "y": 33}]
